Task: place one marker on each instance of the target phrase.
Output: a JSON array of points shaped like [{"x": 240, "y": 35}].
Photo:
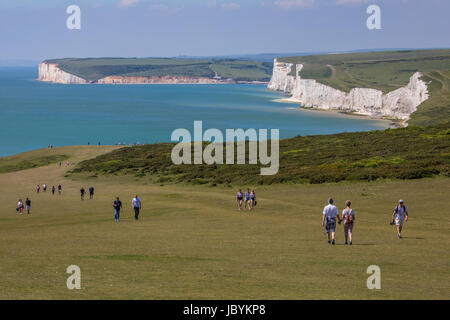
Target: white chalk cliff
[
  {"x": 50, "y": 72},
  {"x": 398, "y": 104}
]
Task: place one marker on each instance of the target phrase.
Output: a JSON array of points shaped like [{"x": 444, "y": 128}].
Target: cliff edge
[{"x": 398, "y": 104}]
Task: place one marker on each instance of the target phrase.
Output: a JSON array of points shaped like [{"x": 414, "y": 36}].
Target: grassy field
[
  {"x": 93, "y": 69},
  {"x": 192, "y": 243},
  {"x": 407, "y": 153}
]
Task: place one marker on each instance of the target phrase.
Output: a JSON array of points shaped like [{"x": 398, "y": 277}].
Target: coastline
[{"x": 394, "y": 123}]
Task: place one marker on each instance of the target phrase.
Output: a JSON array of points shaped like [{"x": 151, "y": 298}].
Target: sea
[{"x": 34, "y": 114}]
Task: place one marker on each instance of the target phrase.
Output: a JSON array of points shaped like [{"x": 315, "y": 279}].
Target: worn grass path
[{"x": 192, "y": 243}]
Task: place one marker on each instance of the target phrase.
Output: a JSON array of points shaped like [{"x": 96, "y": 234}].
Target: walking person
[
  {"x": 82, "y": 192},
  {"x": 44, "y": 186},
  {"x": 247, "y": 200},
  {"x": 28, "y": 205},
  {"x": 399, "y": 217},
  {"x": 239, "y": 198},
  {"x": 117, "y": 205},
  {"x": 38, "y": 188},
  {"x": 330, "y": 213},
  {"x": 59, "y": 189},
  {"x": 19, "y": 208},
  {"x": 91, "y": 193},
  {"x": 348, "y": 216},
  {"x": 137, "y": 206},
  {"x": 253, "y": 199},
  {"x": 53, "y": 190}
]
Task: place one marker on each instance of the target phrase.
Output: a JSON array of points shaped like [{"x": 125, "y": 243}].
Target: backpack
[{"x": 349, "y": 216}]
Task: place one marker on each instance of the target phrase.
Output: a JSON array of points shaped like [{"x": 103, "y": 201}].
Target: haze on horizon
[{"x": 145, "y": 28}]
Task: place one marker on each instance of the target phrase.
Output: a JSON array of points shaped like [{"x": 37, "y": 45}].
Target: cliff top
[
  {"x": 92, "y": 69},
  {"x": 386, "y": 71}
]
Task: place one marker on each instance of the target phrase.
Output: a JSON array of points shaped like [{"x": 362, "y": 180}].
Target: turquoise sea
[{"x": 34, "y": 114}]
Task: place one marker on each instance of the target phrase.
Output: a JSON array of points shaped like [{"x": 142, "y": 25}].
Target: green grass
[
  {"x": 192, "y": 243},
  {"x": 386, "y": 71},
  {"x": 30, "y": 160},
  {"x": 406, "y": 153},
  {"x": 437, "y": 108},
  {"x": 93, "y": 69}
]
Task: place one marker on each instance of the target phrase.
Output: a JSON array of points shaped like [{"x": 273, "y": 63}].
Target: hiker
[
  {"x": 399, "y": 217},
  {"x": 117, "y": 205},
  {"x": 19, "y": 208},
  {"x": 239, "y": 198},
  {"x": 247, "y": 200},
  {"x": 91, "y": 193},
  {"x": 59, "y": 189},
  {"x": 348, "y": 216},
  {"x": 38, "y": 188},
  {"x": 28, "y": 205},
  {"x": 53, "y": 190},
  {"x": 330, "y": 213},
  {"x": 82, "y": 192},
  {"x": 44, "y": 186},
  {"x": 253, "y": 198},
  {"x": 137, "y": 206}
]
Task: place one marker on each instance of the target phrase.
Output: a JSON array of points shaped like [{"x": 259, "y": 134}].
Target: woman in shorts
[
  {"x": 348, "y": 216},
  {"x": 248, "y": 203},
  {"x": 20, "y": 207},
  {"x": 253, "y": 198},
  {"x": 239, "y": 198}
]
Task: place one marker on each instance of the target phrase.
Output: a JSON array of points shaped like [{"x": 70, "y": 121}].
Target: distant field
[
  {"x": 192, "y": 243},
  {"x": 96, "y": 68}
]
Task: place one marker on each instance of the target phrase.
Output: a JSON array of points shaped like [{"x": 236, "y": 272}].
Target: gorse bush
[{"x": 407, "y": 153}]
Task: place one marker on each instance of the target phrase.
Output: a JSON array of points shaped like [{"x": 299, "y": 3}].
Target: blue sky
[{"x": 36, "y": 29}]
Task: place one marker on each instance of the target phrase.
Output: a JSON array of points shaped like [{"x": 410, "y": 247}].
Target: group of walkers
[
  {"x": 21, "y": 206},
  {"x": 331, "y": 214},
  {"x": 44, "y": 188},
  {"x": 249, "y": 201},
  {"x": 83, "y": 192},
  {"x": 136, "y": 204}
]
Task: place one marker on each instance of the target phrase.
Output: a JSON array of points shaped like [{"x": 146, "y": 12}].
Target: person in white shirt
[
  {"x": 137, "y": 206},
  {"x": 330, "y": 213},
  {"x": 399, "y": 216}
]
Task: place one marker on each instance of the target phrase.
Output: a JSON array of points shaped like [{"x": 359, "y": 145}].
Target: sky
[{"x": 36, "y": 29}]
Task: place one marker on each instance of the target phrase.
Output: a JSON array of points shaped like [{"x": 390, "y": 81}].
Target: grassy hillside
[
  {"x": 30, "y": 160},
  {"x": 386, "y": 70},
  {"x": 192, "y": 243},
  {"x": 96, "y": 68},
  {"x": 437, "y": 108},
  {"x": 407, "y": 153}
]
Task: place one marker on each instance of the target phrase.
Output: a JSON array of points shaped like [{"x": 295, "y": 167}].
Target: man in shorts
[
  {"x": 399, "y": 217},
  {"x": 330, "y": 213}
]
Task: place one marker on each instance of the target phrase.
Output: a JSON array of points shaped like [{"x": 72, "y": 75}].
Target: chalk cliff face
[
  {"x": 50, "y": 72},
  {"x": 398, "y": 104},
  {"x": 156, "y": 80}
]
